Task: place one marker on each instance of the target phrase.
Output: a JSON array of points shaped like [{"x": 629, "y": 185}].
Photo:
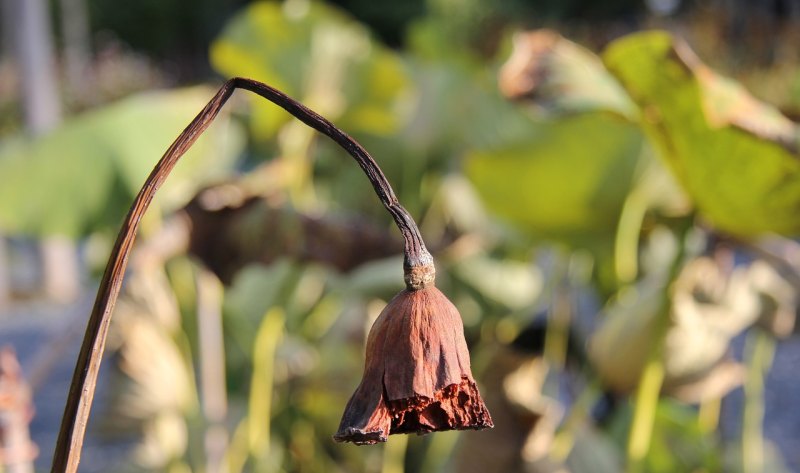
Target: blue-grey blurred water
[{"x": 46, "y": 339}]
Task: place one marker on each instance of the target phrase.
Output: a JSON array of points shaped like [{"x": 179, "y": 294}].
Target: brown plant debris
[
  {"x": 258, "y": 230},
  {"x": 417, "y": 374},
  {"x": 17, "y": 452}
]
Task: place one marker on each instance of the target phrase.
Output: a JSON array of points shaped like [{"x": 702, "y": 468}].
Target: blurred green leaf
[
  {"x": 453, "y": 108},
  {"x": 568, "y": 181},
  {"x": 736, "y": 157},
  {"x": 381, "y": 278},
  {"x": 80, "y": 177},
  {"x": 678, "y": 443},
  {"x": 318, "y": 55},
  {"x": 253, "y": 292},
  {"x": 458, "y": 106},
  {"x": 513, "y": 284},
  {"x": 559, "y": 75}
]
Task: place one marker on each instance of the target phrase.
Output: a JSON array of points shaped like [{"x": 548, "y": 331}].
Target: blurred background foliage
[{"x": 614, "y": 212}]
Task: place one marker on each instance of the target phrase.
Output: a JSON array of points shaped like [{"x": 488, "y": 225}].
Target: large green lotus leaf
[
  {"x": 735, "y": 156},
  {"x": 568, "y": 181},
  {"x": 83, "y": 175},
  {"x": 318, "y": 55}
]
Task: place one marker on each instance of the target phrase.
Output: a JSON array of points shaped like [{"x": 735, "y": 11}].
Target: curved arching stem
[
  {"x": 416, "y": 255},
  {"x": 418, "y": 263}
]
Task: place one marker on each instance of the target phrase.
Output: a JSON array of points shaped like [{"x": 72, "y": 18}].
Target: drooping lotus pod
[{"x": 417, "y": 374}]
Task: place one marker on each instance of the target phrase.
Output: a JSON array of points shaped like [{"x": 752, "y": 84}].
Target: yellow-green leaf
[
  {"x": 735, "y": 156},
  {"x": 568, "y": 181},
  {"x": 318, "y": 55}
]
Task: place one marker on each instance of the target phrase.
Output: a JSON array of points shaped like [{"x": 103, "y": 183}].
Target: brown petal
[{"x": 417, "y": 374}]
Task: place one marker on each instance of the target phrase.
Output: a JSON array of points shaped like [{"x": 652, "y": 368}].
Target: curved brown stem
[
  {"x": 418, "y": 262},
  {"x": 416, "y": 255}
]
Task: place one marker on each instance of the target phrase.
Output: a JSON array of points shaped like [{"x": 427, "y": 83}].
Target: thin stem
[
  {"x": 708, "y": 414},
  {"x": 418, "y": 262},
  {"x": 84, "y": 378},
  {"x": 565, "y": 439},
  {"x": 652, "y": 379},
  {"x": 759, "y": 352},
  {"x": 259, "y": 417},
  {"x": 644, "y": 414},
  {"x": 213, "y": 396},
  {"x": 416, "y": 255}
]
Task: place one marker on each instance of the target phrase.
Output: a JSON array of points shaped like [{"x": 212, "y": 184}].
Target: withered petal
[
  {"x": 417, "y": 374},
  {"x": 362, "y": 424},
  {"x": 454, "y": 407}
]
